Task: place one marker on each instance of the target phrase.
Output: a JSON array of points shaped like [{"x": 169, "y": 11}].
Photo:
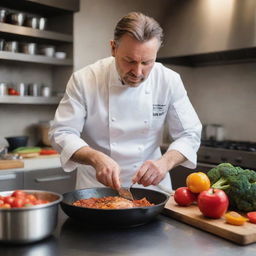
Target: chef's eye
[{"x": 145, "y": 63}]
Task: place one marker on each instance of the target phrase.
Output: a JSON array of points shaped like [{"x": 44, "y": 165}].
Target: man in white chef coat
[{"x": 110, "y": 121}]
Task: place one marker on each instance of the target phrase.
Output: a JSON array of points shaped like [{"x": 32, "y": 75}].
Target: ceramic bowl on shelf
[{"x": 16, "y": 142}]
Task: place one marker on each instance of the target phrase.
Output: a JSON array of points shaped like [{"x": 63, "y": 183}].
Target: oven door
[{"x": 180, "y": 173}]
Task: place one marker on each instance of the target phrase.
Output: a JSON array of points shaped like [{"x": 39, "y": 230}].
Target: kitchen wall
[{"x": 224, "y": 94}]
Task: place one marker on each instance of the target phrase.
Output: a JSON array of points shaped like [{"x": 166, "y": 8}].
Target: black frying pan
[{"x": 113, "y": 217}]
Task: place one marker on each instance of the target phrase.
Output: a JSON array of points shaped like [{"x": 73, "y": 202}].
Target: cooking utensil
[
  {"x": 113, "y": 217},
  {"x": 29, "y": 224},
  {"x": 126, "y": 193}
]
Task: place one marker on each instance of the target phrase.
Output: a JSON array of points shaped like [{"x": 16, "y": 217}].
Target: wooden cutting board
[
  {"x": 10, "y": 164},
  {"x": 191, "y": 215}
]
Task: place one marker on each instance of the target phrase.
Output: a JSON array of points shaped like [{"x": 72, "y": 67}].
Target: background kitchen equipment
[
  {"x": 3, "y": 15},
  {"x": 2, "y": 41},
  {"x": 43, "y": 128},
  {"x": 34, "y": 89},
  {"x": 3, "y": 89},
  {"x": 29, "y": 224},
  {"x": 4, "y": 144},
  {"x": 47, "y": 50},
  {"x": 17, "y": 18},
  {"x": 118, "y": 218},
  {"x": 16, "y": 142},
  {"x": 42, "y": 23},
  {"x": 213, "y": 132},
  {"x": 11, "y": 46},
  {"x": 22, "y": 89},
  {"x": 45, "y": 91},
  {"x": 29, "y": 48}
]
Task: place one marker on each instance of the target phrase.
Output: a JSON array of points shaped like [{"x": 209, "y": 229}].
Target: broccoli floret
[{"x": 239, "y": 185}]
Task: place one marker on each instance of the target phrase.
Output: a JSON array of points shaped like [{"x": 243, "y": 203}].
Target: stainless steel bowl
[{"x": 29, "y": 224}]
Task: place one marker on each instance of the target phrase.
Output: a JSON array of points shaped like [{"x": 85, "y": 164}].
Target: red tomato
[
  {"x": 12, "y": 91},
  {"x": 7, "y": 206},
  {"x": 252, "y": 217},
  {"x": 9, "y": 200},
  {"x": 19, "y": 193},
  {"x": 184, "y": 197},
  {"x": 213, "y": 203},
  {"x": 18, "y": 202},
  {"x": 31, "y": 197}
]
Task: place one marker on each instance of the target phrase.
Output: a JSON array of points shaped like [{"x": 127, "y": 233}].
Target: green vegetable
[
  {"x": 24, "y": 150},
  {"x": 239, "y": 185}
]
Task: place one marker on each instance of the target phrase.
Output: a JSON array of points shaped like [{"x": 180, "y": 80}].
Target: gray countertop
[{"x": 161, "y": 237}]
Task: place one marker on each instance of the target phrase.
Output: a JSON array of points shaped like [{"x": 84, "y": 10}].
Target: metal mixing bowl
[{"x": 29, "y": 224}]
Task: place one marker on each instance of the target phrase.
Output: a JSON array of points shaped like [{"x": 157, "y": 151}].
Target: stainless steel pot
[{"x": 29, "y": 224}]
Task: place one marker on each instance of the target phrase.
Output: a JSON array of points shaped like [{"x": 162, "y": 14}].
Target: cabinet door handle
[
  {"x": 8, "y": 177},
  {"x": 53, "y": 178}
]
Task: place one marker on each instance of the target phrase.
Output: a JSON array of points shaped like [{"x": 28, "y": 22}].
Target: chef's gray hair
[{"x": 139, "y": 26}]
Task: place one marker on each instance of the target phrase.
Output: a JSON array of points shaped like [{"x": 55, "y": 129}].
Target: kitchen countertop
[
  {"x": 38, "y": 163},
  {"x": 162, "y": 237}
]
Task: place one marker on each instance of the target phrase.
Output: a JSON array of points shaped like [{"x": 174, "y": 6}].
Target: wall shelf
[
  {"x": 29, "y": 100},
  {"x": 14, "y": 30},
  {"x": 21, "y": 57}
]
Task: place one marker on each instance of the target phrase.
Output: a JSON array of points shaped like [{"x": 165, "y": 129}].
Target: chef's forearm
[
  {"x": 85, "y": 155},
  {"x": 172, "y": 159}
]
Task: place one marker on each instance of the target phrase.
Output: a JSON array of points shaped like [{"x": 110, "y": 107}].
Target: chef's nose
[{"x": 137, "y": 70}]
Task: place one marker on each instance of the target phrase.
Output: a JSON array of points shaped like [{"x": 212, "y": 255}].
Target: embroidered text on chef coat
[{"x": 159, "y": 109}]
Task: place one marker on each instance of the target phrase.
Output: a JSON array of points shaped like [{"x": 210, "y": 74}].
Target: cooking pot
[
  {"x": 29, "y": 224},
  {"x": 120, "y": 218}
]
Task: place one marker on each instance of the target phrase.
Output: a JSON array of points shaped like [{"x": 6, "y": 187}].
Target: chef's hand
[
  {"x": 107, "y": 170},
  {"x": 152, "y": 172}
]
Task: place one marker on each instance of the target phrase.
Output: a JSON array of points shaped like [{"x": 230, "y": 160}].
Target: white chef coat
[{"x": 123, "y": 122}]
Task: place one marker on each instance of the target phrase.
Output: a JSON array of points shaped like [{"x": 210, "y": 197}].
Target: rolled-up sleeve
[
  {"x": 183, "y": 124},
  {"x": 68, "y": 123}
]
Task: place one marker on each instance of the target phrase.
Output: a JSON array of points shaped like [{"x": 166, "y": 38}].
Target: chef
[{"x": 110, "y": 121}]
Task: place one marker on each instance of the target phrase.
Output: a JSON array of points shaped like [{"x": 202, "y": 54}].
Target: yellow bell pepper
[
  {"x": 235, "y": 218},
  {"x": 198, "y": 182}
]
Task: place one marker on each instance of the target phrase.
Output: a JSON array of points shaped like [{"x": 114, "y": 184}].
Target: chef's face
[{"x": 134, "y": 59}]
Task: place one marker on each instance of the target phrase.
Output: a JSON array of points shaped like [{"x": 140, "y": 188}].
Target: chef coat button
[
  {"x": 147, "y": 91},
  {"x": 140, "y": 148},
  {"x": 113, "y": 119},
  {"x": 145, "y": 121},
  {"x": 113, "y": 144},
  {"x": 135, "y": 166}
]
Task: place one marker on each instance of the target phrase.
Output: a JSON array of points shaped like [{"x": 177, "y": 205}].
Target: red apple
[{"x": 213, "y": 203}]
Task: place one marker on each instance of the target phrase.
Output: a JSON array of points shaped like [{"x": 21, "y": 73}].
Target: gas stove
[{"x": 238, "y": 153}]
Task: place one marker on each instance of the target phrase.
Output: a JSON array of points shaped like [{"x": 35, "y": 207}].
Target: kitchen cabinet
[
  {"x": 11, "y": 181},
  {"x": 55, "y": 180},
  {"x": 58, "y": 34}
]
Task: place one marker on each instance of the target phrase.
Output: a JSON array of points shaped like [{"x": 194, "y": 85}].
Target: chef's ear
[{"x": 113, "y": 47}]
